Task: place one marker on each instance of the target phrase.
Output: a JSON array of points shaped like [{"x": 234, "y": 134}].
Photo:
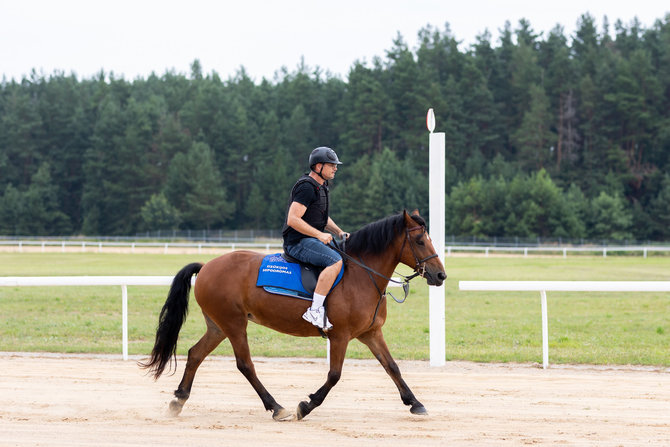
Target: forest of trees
[{"x": 546, "y": 136}]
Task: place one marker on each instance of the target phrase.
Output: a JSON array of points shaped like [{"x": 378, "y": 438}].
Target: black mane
[{"x": 375, "y": 237}]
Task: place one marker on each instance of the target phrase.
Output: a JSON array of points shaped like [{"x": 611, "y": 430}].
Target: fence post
[
  {"x": 545, "y": 330},
  {"x": 124, "y": 320}
]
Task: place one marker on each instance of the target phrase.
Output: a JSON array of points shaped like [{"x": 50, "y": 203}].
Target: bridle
[
  {"x": 420, "y": 264},
  {"x": 419, "y": 268}
]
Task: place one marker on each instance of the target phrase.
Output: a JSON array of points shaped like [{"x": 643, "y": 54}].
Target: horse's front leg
[
  {"x": 338, "y": 349},
  {"x": 374, "y": 340}
]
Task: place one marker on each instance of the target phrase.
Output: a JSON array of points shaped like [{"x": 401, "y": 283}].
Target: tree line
[{"x": 551, "y": 136}]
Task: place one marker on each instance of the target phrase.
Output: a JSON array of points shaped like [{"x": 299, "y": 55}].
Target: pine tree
[
  {"x": 195, "y": 188},
  {"x": 367, "y": 104},
  {"x": 158, "y": 214},
  {"x": 610, "y": 219},
  {"x": 534, "y": 139},
  {"x": 660, "y": 211}
]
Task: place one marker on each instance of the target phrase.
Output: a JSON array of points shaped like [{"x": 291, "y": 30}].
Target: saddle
[
  {"x": 282, "y": 274},
  {"x": 309, "y": 274}
]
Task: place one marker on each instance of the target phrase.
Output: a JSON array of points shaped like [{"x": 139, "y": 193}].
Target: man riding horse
[
  {"x": 308, "y": 227},
  {"x": 227, "y": 292}
]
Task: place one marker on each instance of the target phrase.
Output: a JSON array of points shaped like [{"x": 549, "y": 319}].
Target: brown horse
[{"x": 226, "y": 291}]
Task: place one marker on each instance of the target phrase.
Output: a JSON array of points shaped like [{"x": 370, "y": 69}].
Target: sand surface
[{"x": 86, "y": 400}]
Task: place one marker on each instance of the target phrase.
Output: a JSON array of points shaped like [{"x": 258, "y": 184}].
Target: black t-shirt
[{"x": 314, "y": 197}]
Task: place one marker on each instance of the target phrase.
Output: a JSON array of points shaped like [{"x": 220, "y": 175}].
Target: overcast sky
[{"x": 136, "y": 37}]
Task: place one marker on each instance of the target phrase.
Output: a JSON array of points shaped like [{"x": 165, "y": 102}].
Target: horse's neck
[{"x": 384, "y": 264}]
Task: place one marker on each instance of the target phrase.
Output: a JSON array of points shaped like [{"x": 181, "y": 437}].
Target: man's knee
[{"x": 333, "y": 268}]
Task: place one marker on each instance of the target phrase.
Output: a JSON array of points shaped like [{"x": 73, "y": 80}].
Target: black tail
[{"x": 171, "y": 319}]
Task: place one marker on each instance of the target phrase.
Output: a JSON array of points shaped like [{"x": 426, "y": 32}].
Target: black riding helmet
[{"x": 323, "y": 154}]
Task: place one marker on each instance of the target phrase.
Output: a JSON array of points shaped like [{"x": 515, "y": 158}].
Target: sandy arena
[{"x": 84, "y": 400}]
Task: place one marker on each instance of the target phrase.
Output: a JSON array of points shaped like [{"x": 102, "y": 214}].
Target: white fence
[
  {"x": 123, "y": 281},
  {"x": 166, "y": 247},
  {"x": 634, "y": 249},
  {"x": 509, "y": 286},
  {"x": 563, "y": 286}
]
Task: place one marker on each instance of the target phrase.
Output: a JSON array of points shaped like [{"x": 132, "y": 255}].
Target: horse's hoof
[
  {"x": 302, "y": 410},
  {"x": 175, "y": 408},
  {"x": 419, "y": 409},
  {"x": 282, "y": 414}
]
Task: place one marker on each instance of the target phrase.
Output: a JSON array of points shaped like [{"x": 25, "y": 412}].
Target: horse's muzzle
[{"x": 435, "y": 278}]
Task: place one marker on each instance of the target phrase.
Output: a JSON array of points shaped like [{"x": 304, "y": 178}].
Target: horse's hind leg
[
  {"x": 375, "y": 341},
  {"x": 212, "y": 338},
  {"x": 240, "y": 346}
]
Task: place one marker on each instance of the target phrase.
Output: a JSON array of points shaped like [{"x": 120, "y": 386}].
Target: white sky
[{"x": 136, "y": 37}]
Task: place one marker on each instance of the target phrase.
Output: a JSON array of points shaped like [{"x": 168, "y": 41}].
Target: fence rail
[
  {"x": 123, "y": 281},
  {"x": 563, "y": 286},
  {"x": 167, "y": 247},
  {"x": 644, "y": 250},
  {"x": 509, "y": 286}
]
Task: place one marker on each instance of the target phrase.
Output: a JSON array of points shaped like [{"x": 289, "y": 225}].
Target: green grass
[{"x": 596, "y": 328}]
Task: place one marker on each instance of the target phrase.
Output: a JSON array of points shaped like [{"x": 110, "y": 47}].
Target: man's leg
[
  {"x": 323, "y": 286},
  {"x": 316, "y": 313},
  {"x": 315, "y": 252},
  {"x": 327, "y": 278}
]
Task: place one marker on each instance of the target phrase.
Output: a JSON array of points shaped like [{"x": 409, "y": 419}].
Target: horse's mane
[{"x": 375, "y": 237}]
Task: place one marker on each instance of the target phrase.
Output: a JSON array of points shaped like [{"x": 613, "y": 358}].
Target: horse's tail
[{"x": 170, "y": 321}]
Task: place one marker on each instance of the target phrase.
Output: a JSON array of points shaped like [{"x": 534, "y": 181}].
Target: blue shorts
[{"x": 313, "y": 251}]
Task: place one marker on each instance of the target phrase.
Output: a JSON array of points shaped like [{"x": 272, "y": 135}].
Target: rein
[{"x": 419, "y": 269}]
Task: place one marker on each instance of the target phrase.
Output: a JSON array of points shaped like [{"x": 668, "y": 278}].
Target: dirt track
[{"x": 53, "y": 400}]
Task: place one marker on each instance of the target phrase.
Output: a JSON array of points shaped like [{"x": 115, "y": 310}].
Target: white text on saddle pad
[{"x": 274, "y": 268}]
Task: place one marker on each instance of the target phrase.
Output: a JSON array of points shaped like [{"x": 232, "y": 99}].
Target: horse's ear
[
  {"x": 416, "y": 211},
  {"x": 408, "y": 218}
]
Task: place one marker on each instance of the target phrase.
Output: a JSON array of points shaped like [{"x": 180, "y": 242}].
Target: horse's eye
[{"x": 419, "y": 241}]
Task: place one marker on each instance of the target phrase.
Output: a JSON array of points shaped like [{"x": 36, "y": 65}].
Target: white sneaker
[{"x": 317, "y": 318}]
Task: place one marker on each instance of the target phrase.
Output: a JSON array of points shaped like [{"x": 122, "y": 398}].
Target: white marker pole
[{"x": 436, "y": 185}]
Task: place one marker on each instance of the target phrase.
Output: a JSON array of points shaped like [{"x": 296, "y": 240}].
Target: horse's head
[{"x": 418, "y": 251}]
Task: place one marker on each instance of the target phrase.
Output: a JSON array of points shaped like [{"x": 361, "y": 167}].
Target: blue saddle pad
[{"x": 277, "y": 275}]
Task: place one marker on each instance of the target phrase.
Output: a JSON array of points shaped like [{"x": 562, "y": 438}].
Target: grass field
[{"x": 595, "y": 328}]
